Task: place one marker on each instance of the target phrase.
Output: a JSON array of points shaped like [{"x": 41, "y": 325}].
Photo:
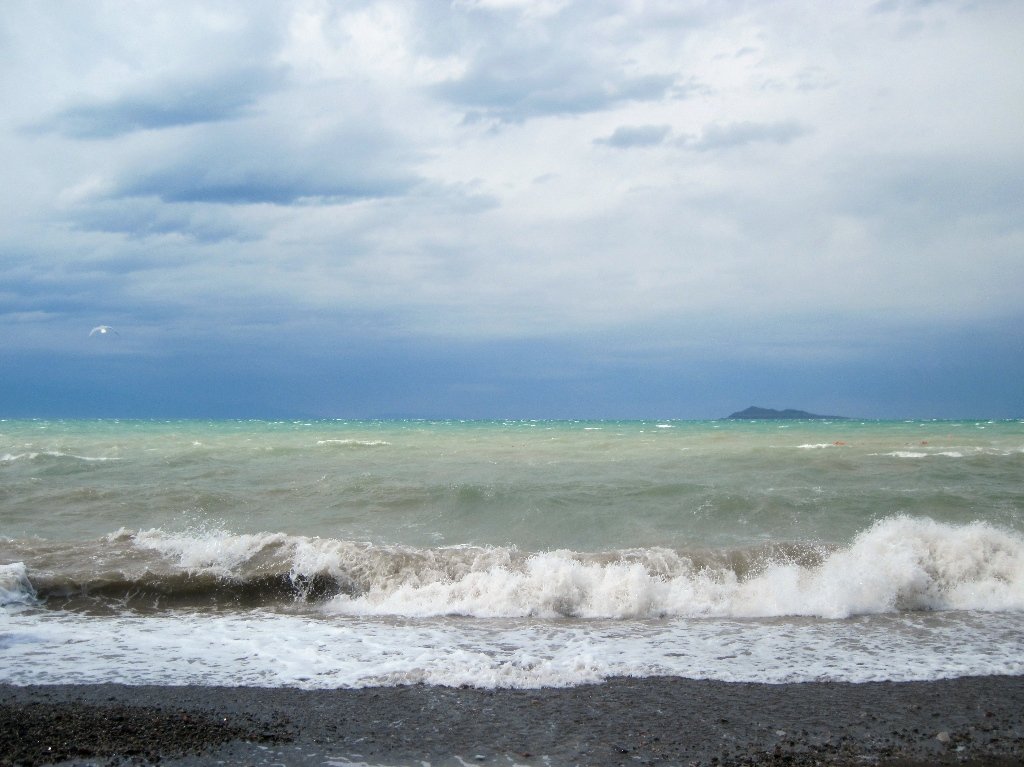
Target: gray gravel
[{"x": 666, "y": 721}]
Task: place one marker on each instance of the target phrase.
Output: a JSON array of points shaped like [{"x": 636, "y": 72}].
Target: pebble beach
[{"x": 975, "y": 720}]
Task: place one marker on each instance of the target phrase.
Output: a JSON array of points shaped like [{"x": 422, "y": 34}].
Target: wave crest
[
  {"x": 15, "y": 587},
  {"x": 898, "y": 564}
]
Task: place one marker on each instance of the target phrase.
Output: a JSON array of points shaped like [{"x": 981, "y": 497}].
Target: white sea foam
[
  {"x": 899, "y": 564},
  {"x": 950, "y": 453},
  {"x": 275, "y": 650},
  {"x": 32, "y": 455},
  {"x": 353, "y": 442},
  {"x": 768, "y": 573},
  {"x": 61, "y": 454},
  {"x": 11, "y": 457},
  {"x": 15, "y": 587},
  {"x": 213, "y": 550}
]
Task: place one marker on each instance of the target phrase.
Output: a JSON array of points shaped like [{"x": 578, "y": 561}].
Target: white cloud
[{"x": 450, "y": 170}]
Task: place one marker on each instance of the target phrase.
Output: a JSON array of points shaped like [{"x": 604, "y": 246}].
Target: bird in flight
[{"x": 103, "y": 330}]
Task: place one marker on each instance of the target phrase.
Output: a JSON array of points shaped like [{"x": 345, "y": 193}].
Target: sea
[{"x": 508, "y": 554}]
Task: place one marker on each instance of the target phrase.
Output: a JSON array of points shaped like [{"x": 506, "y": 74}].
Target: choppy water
[{"x": 333, "y": 553}]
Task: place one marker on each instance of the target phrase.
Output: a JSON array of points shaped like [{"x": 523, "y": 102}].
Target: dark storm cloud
[
  {"x": 629, "y": 136},
  {"x": 520, "y": 90},
  {"x": 139, "y": 218},
  {"x": 934, "y": 191},
  {"x": 731, "y": 135},
  {"x": 319, "y": 206},
  {"x": 51, "y": 290},
  {"x": 521, "y": 66},
  {"x": 268, "y": 163},
  {"x": 164, "y": 105},
  {"x": 250, "y": 183}
]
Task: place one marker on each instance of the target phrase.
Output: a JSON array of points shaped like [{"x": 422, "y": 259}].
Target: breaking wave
[
  {"x": 898, "y": 564},
  {"x": 15, "y": 587}
]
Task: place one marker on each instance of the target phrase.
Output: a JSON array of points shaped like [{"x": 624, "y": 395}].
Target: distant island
[{"x": 767, "y": 413}]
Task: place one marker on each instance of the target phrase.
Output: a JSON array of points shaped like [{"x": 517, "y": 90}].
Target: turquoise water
[
  {"x": 537, "y": 485},
  {"x": 513, "y": 553}
]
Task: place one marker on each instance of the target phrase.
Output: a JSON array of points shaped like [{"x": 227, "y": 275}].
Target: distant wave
[
  {"x": 48, "y": 454},
  {"x": 898, "y": 564},
  {"x": 353, "y": 442},
  {"x": 951, "y": 453}
]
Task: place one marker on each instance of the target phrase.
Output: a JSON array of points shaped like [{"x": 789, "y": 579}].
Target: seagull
[{"x": 103, "y": 330}]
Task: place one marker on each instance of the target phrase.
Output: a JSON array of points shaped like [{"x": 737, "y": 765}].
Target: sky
[{"x": 511, "y": 209}]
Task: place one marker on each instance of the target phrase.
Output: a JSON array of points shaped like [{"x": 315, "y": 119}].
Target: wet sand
[{"x": 666, "y": 721}]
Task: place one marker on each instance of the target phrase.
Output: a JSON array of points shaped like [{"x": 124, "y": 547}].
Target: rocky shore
[{"x": 652, "y": 721}]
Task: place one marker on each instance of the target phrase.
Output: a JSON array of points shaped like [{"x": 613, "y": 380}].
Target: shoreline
[{"x": 658, "y": 720}]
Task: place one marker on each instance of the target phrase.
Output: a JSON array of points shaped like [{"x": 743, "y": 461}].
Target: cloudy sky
[{"x": 512, "y": 208}]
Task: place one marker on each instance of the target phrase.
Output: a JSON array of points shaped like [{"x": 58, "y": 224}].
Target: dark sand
[{"x": 624, "y": 721}]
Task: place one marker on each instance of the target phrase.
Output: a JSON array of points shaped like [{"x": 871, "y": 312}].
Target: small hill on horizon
[{"x": 764, "y": 413}]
